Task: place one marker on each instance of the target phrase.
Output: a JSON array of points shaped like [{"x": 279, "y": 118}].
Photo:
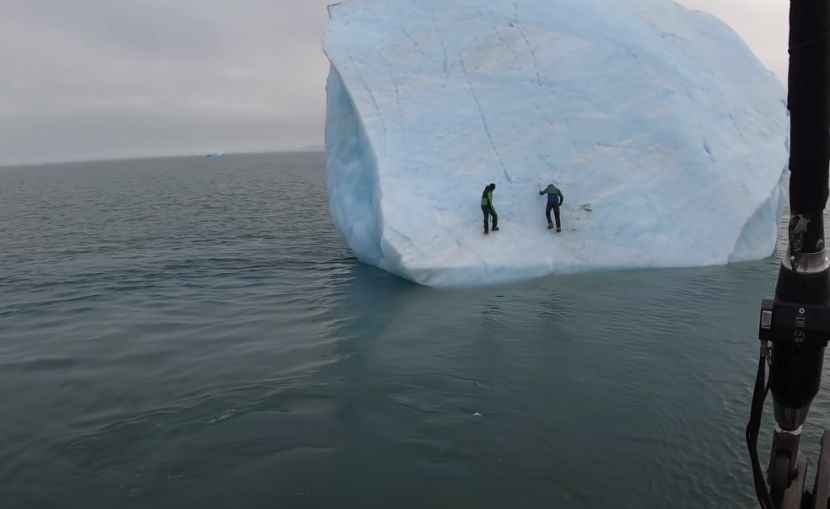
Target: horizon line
[{"x": 111, "y": 159}]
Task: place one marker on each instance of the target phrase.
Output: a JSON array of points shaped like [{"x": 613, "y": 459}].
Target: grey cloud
[
  {"x": 107, "y": 78},
  {"x": 763, "y": 24},
  {"x": 115, "y": 78}
]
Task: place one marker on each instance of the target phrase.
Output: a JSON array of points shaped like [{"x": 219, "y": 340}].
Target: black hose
[{"x": 759, "y": 395}]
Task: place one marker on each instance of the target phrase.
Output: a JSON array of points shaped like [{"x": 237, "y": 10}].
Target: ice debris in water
[{"x": 659, "y": 117}]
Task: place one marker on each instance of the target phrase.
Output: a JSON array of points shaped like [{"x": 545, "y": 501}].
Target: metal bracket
[
  {"x": 794, "y": 495},
  {"x": 821, "y": 488}
]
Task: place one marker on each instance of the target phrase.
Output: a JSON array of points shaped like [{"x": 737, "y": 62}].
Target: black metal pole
[
  {"x": 804, "y": 275},
  {"x": 808, "y": 94}
]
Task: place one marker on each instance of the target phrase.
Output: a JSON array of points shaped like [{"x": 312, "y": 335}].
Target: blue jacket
[{"x": 554, "y": 195}]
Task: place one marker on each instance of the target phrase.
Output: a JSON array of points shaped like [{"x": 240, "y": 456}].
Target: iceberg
[{"x": 664, "y": 132}]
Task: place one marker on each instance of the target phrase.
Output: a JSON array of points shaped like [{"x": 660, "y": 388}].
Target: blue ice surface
[{"x": 665, "y": 133}]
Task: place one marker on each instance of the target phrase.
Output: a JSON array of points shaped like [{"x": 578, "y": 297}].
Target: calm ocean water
[{"x": 192, "y": 332}]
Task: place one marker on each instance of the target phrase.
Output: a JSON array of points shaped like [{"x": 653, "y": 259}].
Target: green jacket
[{"x": 487, "y": 198}]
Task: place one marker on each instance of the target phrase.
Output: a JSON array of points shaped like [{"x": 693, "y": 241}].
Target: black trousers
[
  {"x": 488, "y": 212},
  {"x": 555, "y": 208}
]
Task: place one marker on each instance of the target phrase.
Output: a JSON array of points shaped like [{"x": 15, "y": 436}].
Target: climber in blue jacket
[{"x": 555, "y": 200}]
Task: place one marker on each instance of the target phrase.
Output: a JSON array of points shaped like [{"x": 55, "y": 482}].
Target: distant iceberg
[{"x": 664, "y": 132}]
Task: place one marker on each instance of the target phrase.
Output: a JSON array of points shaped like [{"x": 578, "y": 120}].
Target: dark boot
[
  {"x": 495, "y": 220},
  {"x": 556, "y": 216}
]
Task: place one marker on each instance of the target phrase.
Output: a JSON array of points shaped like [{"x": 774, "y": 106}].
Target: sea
[{"x": 194, "y": 333}]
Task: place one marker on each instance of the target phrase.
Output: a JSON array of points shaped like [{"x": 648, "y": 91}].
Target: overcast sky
[{"x": 89, "y": 79}]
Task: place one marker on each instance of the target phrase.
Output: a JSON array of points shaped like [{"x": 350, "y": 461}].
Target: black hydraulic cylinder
[
  {"x": 809, "y": 104},
  {"x": 795, "y": 370}
]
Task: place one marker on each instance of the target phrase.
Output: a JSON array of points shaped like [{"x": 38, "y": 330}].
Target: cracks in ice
[
  {"x": 518, "y": 25},
  {"x": 371, "y": 95},
  {"x": 400, "y": 110},
  {"x": 735, "y": 123},
  {"x": 396, "y": 84},
  {"x": 374, "y": 102},
  {"x": 637, "y": 150},
  {"x": 564, "y": 119},
  {"x": 509, "y": 46},
  {"x": 413, "y": 41},
  {"x": 484, "y": 120},
  {"x": 543, "y": 113},
  {"x": 443, "y": 46},
  {"x": 406, "y": 238}
]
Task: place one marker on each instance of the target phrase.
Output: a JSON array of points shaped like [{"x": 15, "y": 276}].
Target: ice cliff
[{"x": 664, "y": 132}]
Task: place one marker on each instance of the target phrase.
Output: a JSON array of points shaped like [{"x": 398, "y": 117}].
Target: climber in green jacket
[
  {"x": 488, "y": 210},
  {"x": 555, "y": 199}
]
